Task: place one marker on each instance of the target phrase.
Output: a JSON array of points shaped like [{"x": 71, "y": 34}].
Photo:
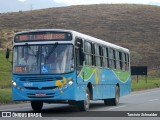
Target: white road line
[
  {"x": 153, "y": 100},
  {"x": 141, "y": 93},
  {"x": 116, "y": 107}
]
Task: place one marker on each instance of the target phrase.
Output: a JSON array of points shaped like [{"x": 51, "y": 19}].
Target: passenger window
[
  {"x": 120, "y": 60},
  {"x": 88, "y": 53},
  {"x": 97, "y": 58},
  {"x": 101, "y": 56}
]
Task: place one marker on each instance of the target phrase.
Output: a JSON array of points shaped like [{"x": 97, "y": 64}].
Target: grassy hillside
[{"x": 136, "y": 27}]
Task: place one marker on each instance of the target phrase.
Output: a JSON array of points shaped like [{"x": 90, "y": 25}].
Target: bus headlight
[
  {"x": 70, "y": 82},
  {"x": 14, "y": 83}
]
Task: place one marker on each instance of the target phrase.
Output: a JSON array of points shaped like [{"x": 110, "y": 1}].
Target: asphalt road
[{"x": 147, "y": 100}]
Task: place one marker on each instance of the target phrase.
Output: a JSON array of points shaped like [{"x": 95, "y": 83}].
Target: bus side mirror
[
  {"x": 7, "y": 53},
  {"x": 79, "y": 43}
]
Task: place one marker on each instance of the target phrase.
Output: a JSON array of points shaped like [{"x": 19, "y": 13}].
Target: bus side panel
[
  {"x": 104, "y": 81},
  {"x": 109, "y": 91},
  {"x": 125, "y": 89}
]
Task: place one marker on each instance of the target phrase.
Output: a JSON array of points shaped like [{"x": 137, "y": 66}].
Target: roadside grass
[
  {"x": 152, "y": 82},
  {"x": 5, "y": 96},
  {"x": 5, "y": 79},
  {"x": 5, "y": 71}
]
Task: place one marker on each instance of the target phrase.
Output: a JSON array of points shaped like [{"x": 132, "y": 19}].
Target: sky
[
  {"x": 78, "y": 2},
  {"x": 25, "y": 5}
]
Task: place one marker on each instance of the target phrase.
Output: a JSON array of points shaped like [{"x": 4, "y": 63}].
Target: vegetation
[
  {"x": 5, "y": 96},
  {"x": 143, "y": 83},
  {"x": 5, "y": 71},
  {"x": 5, "y": 79}
]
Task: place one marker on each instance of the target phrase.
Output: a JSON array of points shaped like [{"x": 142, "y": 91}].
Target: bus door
[{"x": 79, "y": 60}]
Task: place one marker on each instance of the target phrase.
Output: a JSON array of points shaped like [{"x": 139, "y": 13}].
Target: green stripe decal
[
  {"x": 87, "y": 72},
  {"x": 122, "y": 75}
]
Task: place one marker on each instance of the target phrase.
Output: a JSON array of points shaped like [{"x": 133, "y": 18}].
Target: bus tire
[
  {"x": 117, "y": 95},
  {"x": 108, "y": 102},
  {"x": 71, "y": 102},
  {"x": 113, "y": 101},
  {"x": 37, "y": 105},
  {"x": 84, "y": 104}
]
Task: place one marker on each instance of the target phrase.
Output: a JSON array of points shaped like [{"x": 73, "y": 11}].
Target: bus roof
[
  {"x": 93, "y": 39},
  {"x": 80, "y": 35}
]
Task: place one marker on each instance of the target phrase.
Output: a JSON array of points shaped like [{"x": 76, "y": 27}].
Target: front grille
[
  {"x": 37, "y": 79},
  {"x": 48, "y": 95},
  {"x": 43, "y": 88}
]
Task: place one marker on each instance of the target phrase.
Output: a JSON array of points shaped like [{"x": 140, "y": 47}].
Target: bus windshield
[{"x": 43, "y": 59}]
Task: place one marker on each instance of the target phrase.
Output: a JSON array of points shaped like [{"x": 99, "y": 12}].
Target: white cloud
[{"x": 22, "y": 0}]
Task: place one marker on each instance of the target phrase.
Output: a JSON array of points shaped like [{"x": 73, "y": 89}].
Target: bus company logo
[{"x": 6, "y": 114}]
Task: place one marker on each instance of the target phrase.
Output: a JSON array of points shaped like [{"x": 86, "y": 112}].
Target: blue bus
[{"x": 65, "y": 66}]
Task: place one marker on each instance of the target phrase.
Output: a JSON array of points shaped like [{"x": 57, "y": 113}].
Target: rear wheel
[
  {"x": 37, "y": 105},
  {"x": 84, "y": 104},
  {"x": 113, "y": 101}
]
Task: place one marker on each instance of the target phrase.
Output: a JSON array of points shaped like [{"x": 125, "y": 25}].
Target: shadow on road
[{"x": 65, "y": 110}]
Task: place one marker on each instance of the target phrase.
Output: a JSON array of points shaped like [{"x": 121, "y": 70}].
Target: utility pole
[{"x": 31, "y": 7}]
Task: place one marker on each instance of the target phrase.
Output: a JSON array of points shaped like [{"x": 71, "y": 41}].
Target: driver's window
[{"x": 79, "y": 52}]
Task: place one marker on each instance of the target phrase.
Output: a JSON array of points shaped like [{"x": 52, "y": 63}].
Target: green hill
[{"x": 136, "y": 27}]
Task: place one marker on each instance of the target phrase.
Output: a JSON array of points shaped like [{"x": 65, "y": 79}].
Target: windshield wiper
[{"x": 53, "y": 49}]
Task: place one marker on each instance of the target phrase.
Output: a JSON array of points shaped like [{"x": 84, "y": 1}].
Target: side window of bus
[
  {"x": 79, "y": 51},
  {"x": 104, "y": 58},
  {"x": 93, "y": 55},
  {"x": 88, "y": 53},
  {"x": 126, "y": 61},
  {"x": 101, "y": 55},
  {"x": 112, "y": 59},
  {"x": 107, "y": 52},
  {"x": 123, "y": 61},
  {"x": 117, "y": 60},
  {"x": 120, "y": 60},
  {"x": 97, "y": 58}
]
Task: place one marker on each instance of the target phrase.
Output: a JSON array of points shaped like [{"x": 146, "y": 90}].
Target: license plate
[{"x": 40, "y": 94}]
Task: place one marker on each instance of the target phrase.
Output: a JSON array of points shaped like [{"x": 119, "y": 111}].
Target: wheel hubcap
[
  {"x": 117, "y": 97},
  {"x": 87, "y": 101}
]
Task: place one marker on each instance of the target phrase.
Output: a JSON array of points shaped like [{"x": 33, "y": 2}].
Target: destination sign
[
  {"x": 43, "y": 36},
  {"x": 21, "y": 68}
]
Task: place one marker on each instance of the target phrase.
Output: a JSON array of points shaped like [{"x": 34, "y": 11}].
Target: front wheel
[
  {"x": 37, "y": 105},
  {"x": 84, "y": 104}
]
